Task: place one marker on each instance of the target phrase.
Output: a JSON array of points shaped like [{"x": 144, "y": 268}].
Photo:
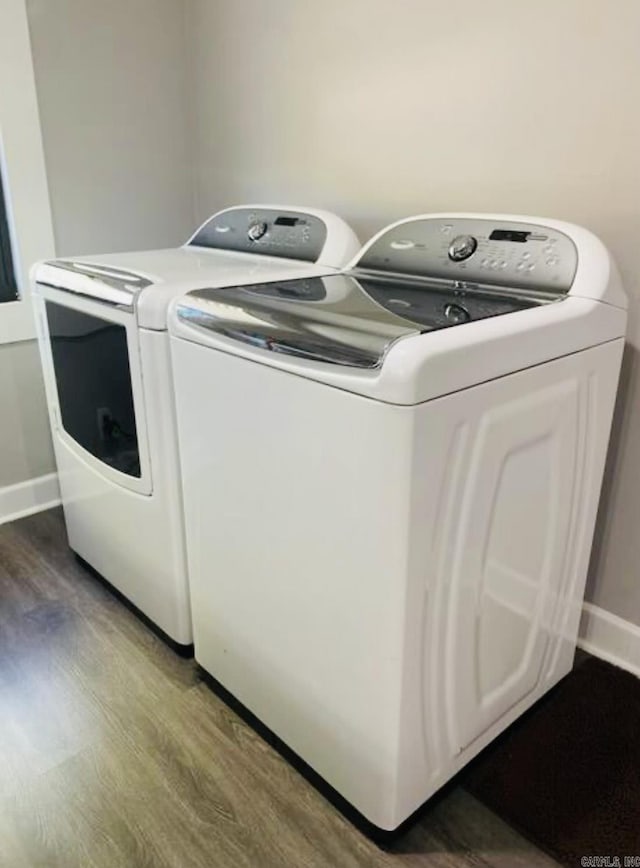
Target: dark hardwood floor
[{"x": 114, "y": 753}]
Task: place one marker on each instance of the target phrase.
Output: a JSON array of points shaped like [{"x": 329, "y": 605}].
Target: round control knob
[
  {"x": 462, "y": 247},
  {"x": 256, "y": 231},
  {"x": 456, "y": 314}
]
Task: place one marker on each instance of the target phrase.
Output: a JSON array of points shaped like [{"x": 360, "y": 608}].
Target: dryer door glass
[{"x": 93, "y": 379}]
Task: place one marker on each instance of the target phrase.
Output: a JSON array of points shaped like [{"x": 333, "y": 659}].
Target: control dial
[
  {"x": 456, "y": 314},
  {"x": 256, "y": 230},
  {"x": 462, "y": 247}
]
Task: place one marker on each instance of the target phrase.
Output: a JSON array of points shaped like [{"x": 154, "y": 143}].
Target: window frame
[
  {"x": 22, "y": 165},
  {"x": 8, "y": 282}
]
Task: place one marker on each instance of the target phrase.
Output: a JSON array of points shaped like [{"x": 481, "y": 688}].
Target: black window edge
[{"x": 8, "y": 283}]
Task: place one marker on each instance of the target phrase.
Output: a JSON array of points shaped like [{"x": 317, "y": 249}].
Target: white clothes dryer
[
  {"x": 390, "y": 479},
  {"x": 105, "y": 352}
]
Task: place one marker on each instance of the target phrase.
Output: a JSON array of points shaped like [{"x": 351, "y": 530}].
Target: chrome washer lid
[{"x": 341, "y": 319}]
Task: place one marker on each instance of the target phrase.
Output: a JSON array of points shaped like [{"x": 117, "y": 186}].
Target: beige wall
[
  {"x": 111, "y": 82},
  {"x": 382, "y": 109},
  {"x": 25, "y": 445}
]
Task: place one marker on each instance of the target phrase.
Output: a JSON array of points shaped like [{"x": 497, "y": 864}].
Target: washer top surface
[
  {"x": 238, "y": 245},
  {"x": 342, "y": 318},
  {"x": 430, "y": 305}
]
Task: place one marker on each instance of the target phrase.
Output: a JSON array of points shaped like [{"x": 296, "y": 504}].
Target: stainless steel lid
[{"x": 345, "y": 319}]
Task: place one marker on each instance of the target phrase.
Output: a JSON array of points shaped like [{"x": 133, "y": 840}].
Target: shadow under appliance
[
  {"x": 105, "y": 351},
  {"x": 391, "y": 478}
]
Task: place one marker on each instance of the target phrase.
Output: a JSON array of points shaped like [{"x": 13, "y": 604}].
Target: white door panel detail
[{"x": 510, "y": 545}]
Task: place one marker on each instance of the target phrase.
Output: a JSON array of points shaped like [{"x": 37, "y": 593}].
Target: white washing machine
[
  {"x": 105, "y": 351},
  {"x": 390, "y": 482}
]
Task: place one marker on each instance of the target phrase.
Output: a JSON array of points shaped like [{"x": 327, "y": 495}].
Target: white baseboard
[
  {"x": 25, "y": 498},
  {"x": 612, "y": 638}
]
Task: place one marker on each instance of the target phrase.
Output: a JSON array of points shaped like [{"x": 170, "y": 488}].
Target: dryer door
[{"x": 92, "y": 361}]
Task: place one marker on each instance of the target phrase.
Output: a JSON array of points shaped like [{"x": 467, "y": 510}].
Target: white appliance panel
[
  {"x": 353, "y": 560},
  {"x": 135, "y": 540}
]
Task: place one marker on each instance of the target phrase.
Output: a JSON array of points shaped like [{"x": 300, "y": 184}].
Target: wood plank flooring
[{"x": 114, "y": 754}]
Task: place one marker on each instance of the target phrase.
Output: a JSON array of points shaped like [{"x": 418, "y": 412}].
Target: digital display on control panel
[
  {"x": 286, "y": 221},
  {"x": 508, "y": 235}
]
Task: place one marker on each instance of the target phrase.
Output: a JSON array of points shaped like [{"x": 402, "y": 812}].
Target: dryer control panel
[
  {"x": 270, "y": 232},
  {"x": 478, "y": 251}
]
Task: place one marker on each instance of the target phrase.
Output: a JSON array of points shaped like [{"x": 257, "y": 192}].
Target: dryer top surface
[{"x": 243, "y": 244}]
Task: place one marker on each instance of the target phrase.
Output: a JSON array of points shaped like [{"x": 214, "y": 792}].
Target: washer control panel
[
  {"x": 289, "y": 234},
  {"x": 477, "y": 250}
]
